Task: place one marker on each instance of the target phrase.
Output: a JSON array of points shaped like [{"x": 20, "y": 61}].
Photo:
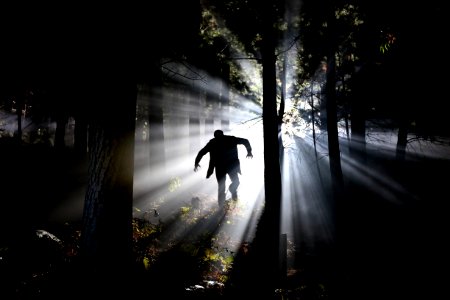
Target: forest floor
[{"x": 391, "y": 233}]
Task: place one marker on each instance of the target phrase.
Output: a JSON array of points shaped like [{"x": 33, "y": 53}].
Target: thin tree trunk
[
  {"x": 313, "y": 118},
  {"x": 282, "y": 108},
  {"x": 259, "y": 278},
  {"x": 332, "y": 126},
  {"x": 337, "y": 179},
  {"x": 268, "y": 232}
]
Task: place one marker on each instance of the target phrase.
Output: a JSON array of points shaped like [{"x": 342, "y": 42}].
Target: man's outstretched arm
[
  {"x": 247, "y": 145},
  {"x": 199, "y": 156}
]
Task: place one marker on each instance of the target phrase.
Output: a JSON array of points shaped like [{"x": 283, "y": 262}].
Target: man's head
[{"x": 218, "y": 133}]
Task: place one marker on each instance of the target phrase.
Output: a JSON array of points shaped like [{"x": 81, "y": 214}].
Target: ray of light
[
  {"x": 166, "y": 186},
  {"x": 305, "y": 203}
]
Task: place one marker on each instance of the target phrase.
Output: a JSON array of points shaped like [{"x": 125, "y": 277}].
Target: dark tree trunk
[
  {"x": 106, "y": 237},
  {"x": 332, "y": 129},
  {"x": 337, "y": 179},
  {"x": 313, "y": 118},
  {"x": 282, "y": 101},
  {"x": 267, "y": 239}
]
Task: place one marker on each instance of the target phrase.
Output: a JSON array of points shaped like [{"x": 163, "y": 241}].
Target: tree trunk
[
  {"x": 106, "y": 237},
  {"x": 332, "y": 129},
  {"x": 337, "y": 179},
  {"x": 282, "y": 107},
  {"x": 267, "y": 239}
]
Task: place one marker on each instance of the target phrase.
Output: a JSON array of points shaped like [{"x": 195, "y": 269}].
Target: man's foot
[{"x": 234, "y": 197}]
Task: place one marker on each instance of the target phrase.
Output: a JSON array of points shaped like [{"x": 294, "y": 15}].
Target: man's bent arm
[
  {"x": 200, "y": 154},
  {"x": 247, "y": 145}
]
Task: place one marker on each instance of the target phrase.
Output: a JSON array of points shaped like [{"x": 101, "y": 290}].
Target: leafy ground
[
  {"x": 43, "y": 263},
  {"x": 387, "y": 249}
]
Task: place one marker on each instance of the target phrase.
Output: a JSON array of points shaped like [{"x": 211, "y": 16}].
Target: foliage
[
  {"x": 225, "y": 47},
  {"x": 174, "y": 184}
]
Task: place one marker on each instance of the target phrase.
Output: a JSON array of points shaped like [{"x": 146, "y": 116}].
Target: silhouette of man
[{"x": 223, "y": 157}]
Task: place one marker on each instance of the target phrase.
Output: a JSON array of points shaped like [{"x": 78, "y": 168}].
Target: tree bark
[
  {"x": 106, "y": 236},
  {"x": 337, "y": 179},
  {"x": 267, "y": 239}
]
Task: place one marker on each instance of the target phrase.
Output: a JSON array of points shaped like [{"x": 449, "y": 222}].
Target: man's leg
[
  {"x": 221, "y": 188},
  {"x": 234, "y": 183}
]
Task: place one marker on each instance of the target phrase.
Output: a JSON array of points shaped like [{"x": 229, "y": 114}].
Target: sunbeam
[
  {"x": 167, "y": 191},
  {"x": 305, "y": 203}
]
